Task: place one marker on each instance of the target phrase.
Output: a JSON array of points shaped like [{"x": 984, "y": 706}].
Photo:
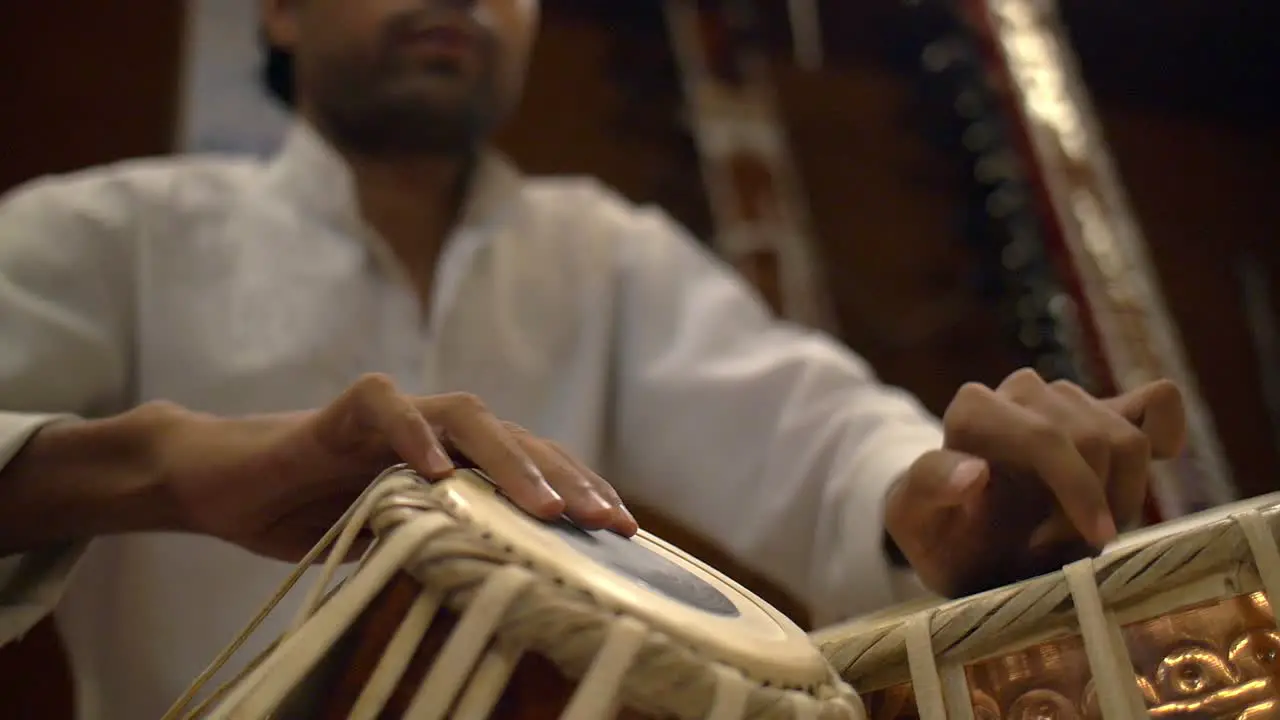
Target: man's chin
[
  {"x": 422, "y": 113},
  {"x": 441, "y": 90},
  {"x": 411, "y": 132}
]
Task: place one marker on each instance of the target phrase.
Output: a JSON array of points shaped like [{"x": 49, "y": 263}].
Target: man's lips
[{"x": 441, "y": 40}]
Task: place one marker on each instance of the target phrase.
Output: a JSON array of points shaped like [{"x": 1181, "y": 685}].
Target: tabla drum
[
  {"x": 465, "y": 607},
  {"x": 1174, "y": 621}
]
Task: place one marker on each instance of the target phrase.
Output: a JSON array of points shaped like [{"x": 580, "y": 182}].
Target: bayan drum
[
  {"x": 1174, "y": 621},
  {"x": 466, "y": 607}
]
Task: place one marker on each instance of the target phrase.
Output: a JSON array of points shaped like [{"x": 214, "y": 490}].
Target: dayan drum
[
  {"x": 1171, "y": 622},
  {"x": 466, "y": 607}
]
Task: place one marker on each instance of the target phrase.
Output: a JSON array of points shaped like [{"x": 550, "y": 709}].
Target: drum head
[
  {"x": 638, "y": 561},
  {"x": 646, "y": 578}
]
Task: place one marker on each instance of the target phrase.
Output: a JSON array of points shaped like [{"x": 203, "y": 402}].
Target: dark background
[{"x": 1186, "y": 91}]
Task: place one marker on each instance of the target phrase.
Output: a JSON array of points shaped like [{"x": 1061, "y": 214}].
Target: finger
[
  {"x": 376, "y": 408},
  {"x": 1085, "y": 422},
  {"x": 470, "y": 427},
  {"x": 1157, "y": 408},
  {"x": 1075, "y": 413},
  {"x": 583, "y": 504},
  {"x": 983, "y": 424},
  {"x": 938, "y": 483},
  {"x": 1022, "y": 386},
  {"x": 623, "y": 521},
  {"x": 1127, "y": 447}
]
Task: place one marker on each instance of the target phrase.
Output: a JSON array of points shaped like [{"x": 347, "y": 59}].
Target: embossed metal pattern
[{"x": 1218, "y": 660}]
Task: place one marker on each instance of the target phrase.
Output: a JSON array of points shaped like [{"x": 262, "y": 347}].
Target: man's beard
[{"x": 361, "y": 115}]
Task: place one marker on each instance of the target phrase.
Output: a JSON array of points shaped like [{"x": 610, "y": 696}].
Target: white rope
[
  {"x": 970, "y": 628},
  {"x": 730, "y": 701},
  {"x": 1109, "y": 661},
  {"x": 955, "y": 691},
  {"x": 505, "y": 611},
  {"x": 803, "y": 707},
  {"x": 299, "y": 653},
  {"x": 669, "y": 678},
  {"x": 598, "y": 694},
  {"x": 472, "y": 634},
  {"x": 353, "y": 525},
  {"x": 926, "y": 682},
  {"x": 217, "y": 696},
  {"x": 396, "y": 657},
  {"x": 489, "y": 681},
  {"x": 1266, "y": 557},
  {"x": 378, "y": 488}
]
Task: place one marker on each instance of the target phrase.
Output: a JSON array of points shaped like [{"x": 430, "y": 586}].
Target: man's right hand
[{"x": 275, "y": 483}]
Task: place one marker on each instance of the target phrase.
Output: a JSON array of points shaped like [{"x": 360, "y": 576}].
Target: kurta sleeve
[
  {"x": 30, "y": 584},
  {"x": 774, "y": 441},
  {"x": 65, "y": 329}
]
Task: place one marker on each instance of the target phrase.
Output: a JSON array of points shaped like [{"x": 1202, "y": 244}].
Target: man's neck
[{"x": 413, "y": 204}]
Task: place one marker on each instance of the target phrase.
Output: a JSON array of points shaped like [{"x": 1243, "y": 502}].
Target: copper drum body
[{"x": 1170, "y": 622}]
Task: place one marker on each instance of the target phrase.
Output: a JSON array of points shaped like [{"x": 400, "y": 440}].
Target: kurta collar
[{"x": 310, "y": 173}]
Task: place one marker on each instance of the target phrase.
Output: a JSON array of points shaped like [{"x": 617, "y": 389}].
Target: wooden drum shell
[
  {"x": 466, "y": 601},
  {"x": 537, "y": 690}
]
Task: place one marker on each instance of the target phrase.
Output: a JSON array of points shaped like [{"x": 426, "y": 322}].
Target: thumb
[
  {"x": 943, "y": 478},
  {"x": 939, "y": 480}
]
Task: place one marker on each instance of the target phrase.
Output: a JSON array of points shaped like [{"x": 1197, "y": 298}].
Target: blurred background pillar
[{"x": 81, "y": 83}]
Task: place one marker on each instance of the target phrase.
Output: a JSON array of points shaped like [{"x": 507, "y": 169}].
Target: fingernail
[
  {"x": 553, "y": 502},
  {"x": 438, "y": 461},
  {"x": 629, "y": 520},
  {"x": 1106, "y": 529},
  {"x": 966, "y": 474},
  {"x": 626, "y": 513}
]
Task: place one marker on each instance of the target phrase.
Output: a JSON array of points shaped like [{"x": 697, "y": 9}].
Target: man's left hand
[{"x": 1031, "y": 476}]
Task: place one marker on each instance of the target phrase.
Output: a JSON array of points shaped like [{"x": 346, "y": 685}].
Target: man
[{"x": 385, "y": 238}]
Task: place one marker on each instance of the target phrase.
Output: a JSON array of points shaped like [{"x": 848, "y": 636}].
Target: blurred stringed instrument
[{"x": 1066, "y": 256}]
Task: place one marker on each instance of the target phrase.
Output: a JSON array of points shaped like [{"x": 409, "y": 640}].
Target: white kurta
[{"x": 230, "y": 286}]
